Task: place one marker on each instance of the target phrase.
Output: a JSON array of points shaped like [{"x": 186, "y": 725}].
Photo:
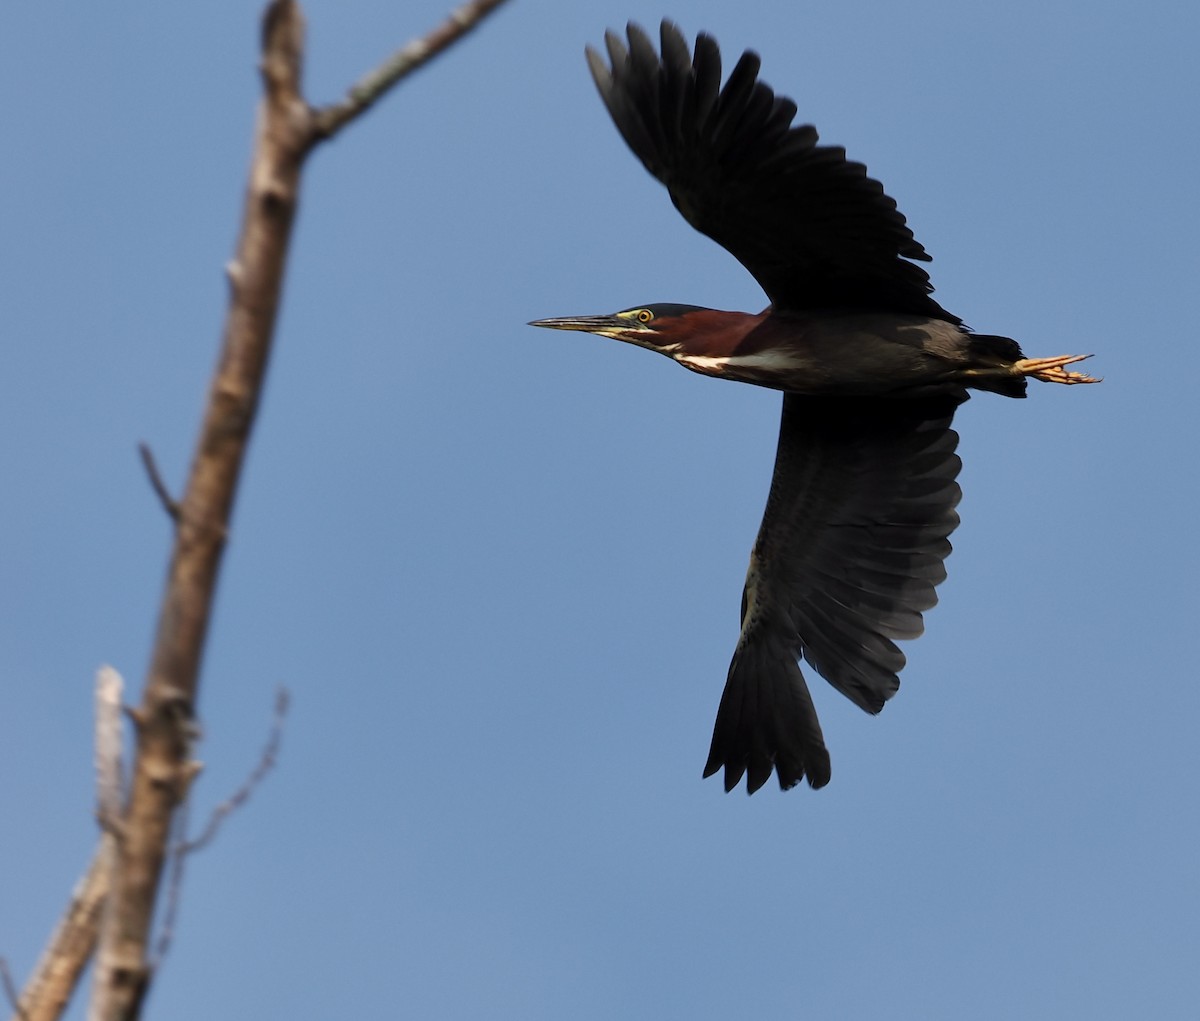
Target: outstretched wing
[
  {"x": 850, "y": 550},
  {"x": 810, "y": 225}
]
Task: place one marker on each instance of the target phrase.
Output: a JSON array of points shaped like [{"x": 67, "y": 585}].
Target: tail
[
  {"x": 767, "y": 721},
  {"x": 1001, "y": 352}
]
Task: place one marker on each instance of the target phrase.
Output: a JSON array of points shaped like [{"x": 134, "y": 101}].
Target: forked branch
[{"x": 288, "y": 129}]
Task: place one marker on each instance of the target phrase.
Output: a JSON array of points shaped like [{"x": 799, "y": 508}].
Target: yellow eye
[{"x": 645, "y": 315}]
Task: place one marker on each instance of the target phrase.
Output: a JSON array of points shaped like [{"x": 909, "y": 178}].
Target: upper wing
[
  {"x": 809, "y": 224},
  {"x": 851, "y": 547}
]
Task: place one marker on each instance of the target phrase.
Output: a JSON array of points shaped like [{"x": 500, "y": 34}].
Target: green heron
[{"x": 863, "y": 497}]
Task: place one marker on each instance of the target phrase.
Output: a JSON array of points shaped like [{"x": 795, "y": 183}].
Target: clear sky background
[{"x": 499, "y": 568}]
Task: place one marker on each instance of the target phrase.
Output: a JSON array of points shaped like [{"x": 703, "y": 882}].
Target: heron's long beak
[{"x": 587, "y": 324}]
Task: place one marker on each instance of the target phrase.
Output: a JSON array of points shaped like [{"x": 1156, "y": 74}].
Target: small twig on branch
[
  {"x": 169, "y": 503},
  {"x": 10, "y": 990},
  {"x": 266, "y": 763},
  {"x": 329, "y": 120},
  {"x": 174, "y": 894},
  {"x": 183, "y": 847}
]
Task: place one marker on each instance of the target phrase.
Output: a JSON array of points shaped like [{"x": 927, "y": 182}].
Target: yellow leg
[{"x": 1050, "y": 370}]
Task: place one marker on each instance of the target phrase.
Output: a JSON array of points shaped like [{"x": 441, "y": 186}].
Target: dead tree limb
[
  {"x": 329, "y": 120},
  {"x": 164, "y": 723},
  {"x": 48, "y": 991}
]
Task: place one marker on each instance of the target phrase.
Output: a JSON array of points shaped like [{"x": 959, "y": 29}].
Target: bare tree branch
[
  {"x": 329, "y": 120},
  {"x": 48, "y": 990},
  {"x": 156, "y": 481},
  {"x": 163, "y": 722}
]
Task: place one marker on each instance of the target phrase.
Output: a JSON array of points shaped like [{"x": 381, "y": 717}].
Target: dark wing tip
[
  {"x": 733, "y": 772},
  {"x": 766, "y": 721},
  {"x": 601, "y": 74},
  {"x": 674, "y": 44},
  {"x": 617, "y": 54},
  {"x": 816, "y": 771}
]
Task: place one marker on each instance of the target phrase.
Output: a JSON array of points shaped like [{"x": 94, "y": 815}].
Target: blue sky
[{"x": 499, "y": 568}]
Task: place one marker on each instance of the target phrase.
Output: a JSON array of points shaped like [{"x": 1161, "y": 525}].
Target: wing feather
[
  {"x": 809, "y": 224},
  {"x": 849, "y": 554}
]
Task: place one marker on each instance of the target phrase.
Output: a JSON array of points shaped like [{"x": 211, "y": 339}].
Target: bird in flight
[{"x": 872, "y": 369}]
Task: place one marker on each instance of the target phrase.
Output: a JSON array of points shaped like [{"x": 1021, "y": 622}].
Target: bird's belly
[
  {"x": 787, "y": 370},
  {"x": 852, "y": 363},
  {"x": 764, "y": 367},
  {"x": 779, "y": 370}
]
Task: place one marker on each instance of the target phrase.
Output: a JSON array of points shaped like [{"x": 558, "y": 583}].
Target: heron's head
[{"x": 667, "y": 328}]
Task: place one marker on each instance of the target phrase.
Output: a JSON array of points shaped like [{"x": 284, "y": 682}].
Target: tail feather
[{"x": 1000, "y": 351}]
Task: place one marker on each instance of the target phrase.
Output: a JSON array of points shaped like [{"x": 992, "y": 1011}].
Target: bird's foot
[{"x": 1050, "y": 370}]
